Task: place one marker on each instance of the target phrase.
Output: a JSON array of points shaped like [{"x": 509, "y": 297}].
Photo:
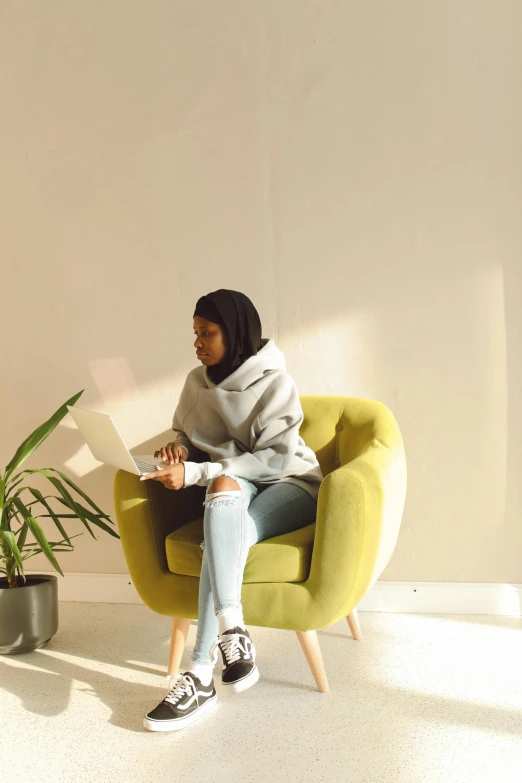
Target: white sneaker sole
[
  {"x": 179, "y": 723},
  {"x": 242, "y": 685}
]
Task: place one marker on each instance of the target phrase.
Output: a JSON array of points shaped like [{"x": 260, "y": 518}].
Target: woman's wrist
[{"x": 194, "y": 472}]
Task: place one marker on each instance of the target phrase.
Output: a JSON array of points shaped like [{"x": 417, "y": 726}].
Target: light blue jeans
[{"x": 231, "y": 525}]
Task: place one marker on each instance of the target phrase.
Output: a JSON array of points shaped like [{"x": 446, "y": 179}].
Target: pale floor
[{"x": 421, "y": 699}]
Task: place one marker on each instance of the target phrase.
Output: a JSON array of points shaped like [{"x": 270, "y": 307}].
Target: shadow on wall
[
  {"x": 339, "y": 170},
  {"x": 432, "y": 347}
]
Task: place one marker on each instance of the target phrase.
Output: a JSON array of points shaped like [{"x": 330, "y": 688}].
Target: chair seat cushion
[{"x": 283, "y": 558}]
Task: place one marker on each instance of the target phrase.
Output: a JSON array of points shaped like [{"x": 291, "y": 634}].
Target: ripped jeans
[{"x": 231, "y": 525}]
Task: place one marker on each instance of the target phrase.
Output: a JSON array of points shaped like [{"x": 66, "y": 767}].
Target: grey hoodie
[{"x": 248, "y": 425}]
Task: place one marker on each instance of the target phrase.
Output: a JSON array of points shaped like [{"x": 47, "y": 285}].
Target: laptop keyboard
[{"x": 144, "y": 467}]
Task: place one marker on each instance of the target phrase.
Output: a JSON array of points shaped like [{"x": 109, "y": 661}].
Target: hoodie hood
[{"x": 268, "y": 359}]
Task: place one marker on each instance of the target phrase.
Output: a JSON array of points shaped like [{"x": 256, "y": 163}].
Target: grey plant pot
[{"x": 28, "y": 613}]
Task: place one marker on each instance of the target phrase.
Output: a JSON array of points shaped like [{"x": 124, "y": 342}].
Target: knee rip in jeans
[
  {"x": 227, "y": 497},
  {"x": 212, "y": 502}
]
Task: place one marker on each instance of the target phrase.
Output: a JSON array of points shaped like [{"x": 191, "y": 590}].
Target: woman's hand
[
  {"x": 172, "y": 453},
  {"x": 172, "y": 477}
]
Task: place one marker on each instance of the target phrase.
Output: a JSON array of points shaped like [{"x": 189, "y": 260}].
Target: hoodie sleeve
[
  {"x": 275, "y": 432},
  {"x": 183, "y": 406},
  {"x": 179, "y": 435}
]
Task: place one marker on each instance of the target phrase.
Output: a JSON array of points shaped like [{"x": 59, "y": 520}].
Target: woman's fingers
[{"x": 171, "y": 453}]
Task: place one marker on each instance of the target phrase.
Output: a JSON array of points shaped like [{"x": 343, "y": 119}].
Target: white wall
[{"x": 355, "y": 168}]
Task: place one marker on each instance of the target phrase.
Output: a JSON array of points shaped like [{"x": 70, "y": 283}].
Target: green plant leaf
[
  {"x": 45, "y": 472},
  {"x": 67, "y": 497},
  {"x": 9, "y": 540},
  {"x": 22, "y": 535},
  {"x": 33, "y": 502},
  {"x": 38, "y": 533},
  {"x": 82, "y": 493},
  {"x": 38, "y": 495},
  {"x": 80, "y": 511},
  {"x": 93, "y": 518},
  {"x": 2, "y": 499},
  {"x": 37, "y": 552},
  {"x": 55, "y": 545},
  {"x": 13, "y": 483},
  {"x": 38, "y": 436}
]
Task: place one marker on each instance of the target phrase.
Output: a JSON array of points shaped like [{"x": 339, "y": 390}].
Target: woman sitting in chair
[{"x": 242, "y": 409}]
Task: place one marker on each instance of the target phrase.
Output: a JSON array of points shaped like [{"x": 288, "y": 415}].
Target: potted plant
[{"x": 29, "y": 605}]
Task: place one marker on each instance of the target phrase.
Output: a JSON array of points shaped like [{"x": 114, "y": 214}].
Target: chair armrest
[
  {"x": 146, "y": 513},
  {"x": 359, "y": 513}
]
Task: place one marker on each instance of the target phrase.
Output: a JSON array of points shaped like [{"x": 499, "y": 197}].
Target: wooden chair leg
[
  {"x": 310, "y": 644},
  {"x": 353, "y": 622},
  {"x": 180, "y": 629}
]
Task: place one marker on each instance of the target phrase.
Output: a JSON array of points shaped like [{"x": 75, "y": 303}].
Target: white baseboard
[
  {"x": 419, "y": 597},
  {"x": 444, "y": 598}
]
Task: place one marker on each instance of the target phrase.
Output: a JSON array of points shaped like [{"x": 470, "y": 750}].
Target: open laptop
[{"x": 102, "y": 437}]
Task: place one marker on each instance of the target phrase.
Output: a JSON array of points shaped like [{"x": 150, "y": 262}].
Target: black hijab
[{"x": 240, "y": 319}]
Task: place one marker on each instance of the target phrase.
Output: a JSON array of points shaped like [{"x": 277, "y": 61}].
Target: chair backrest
[{"x": 339, "y": 429}]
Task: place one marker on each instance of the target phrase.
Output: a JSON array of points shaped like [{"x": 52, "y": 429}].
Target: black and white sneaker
[
  {"x": 239, "y": 659},
  {"x": 186, "y": 700}
]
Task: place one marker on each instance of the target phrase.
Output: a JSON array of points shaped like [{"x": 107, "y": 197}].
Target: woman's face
[{"x": 210, "y": 341}]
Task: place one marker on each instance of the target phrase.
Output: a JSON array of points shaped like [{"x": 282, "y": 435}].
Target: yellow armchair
[{"x": 303, "y": 580}]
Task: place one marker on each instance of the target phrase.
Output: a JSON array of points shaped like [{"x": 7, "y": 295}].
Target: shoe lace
[
  {"x": 232, "y": 647},
  {"x": 177, "y": 689}
]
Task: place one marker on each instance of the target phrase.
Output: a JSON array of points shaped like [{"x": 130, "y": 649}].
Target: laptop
[{"x": 104, "y": 440}]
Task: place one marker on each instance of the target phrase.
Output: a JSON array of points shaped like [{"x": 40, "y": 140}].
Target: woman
[{"x": 242, "y": 409}]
